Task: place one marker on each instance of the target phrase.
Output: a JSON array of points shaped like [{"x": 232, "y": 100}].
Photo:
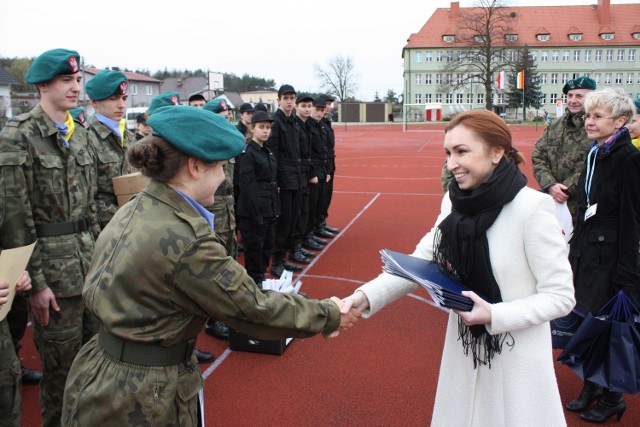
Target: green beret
[
  {"x": 636, "y": 102},
  {"x": 198, "y": 133},
  {"x": 53, "y": 63},
  {"x": 217, "y": 105},
  {"x": 582, "y": 82},
  {"x": 78, "y": 114},
  {"x": 107, "y": 83},
  {"x": 163, "y": 100}
]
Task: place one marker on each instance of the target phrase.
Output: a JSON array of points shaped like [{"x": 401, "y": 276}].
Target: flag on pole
[
  {"x": 520, "y": 80},
  {"x": 500, "y": 80}
]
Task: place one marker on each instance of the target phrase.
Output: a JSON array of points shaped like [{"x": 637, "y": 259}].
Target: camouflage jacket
[
  {"x": 559, "y": 155},
  {"x": 111, "y": 160},
  {"x": 445, "y": 177},
  {"x": 223, "y": 202},
  {"x": 159, "y": 271},
  {"x": 45, "y": 183}
]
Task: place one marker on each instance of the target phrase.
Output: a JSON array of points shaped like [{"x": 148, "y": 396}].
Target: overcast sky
[{"x": 281, "y": 40}]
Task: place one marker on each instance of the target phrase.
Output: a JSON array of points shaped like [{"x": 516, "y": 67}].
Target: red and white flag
[{"x": 500, "y": 81}]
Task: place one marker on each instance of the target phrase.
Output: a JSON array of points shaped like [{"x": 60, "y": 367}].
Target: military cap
[
  {"x": 107, "y": 83},
  {"x": 328, "y": 98},
  {"x": 582, "y": 82},
  {"x": 197, "y": 132},
  {"x": 261, "y": 107},
  {"x": 319, "y": 102},
  {"x": 165, "y": 99},
  {"x": 304, "y": 97},
  {"x": 78, "y": 114},
  {"x": 636, "y": 102},
  {"x": 285, "y": 89},
  {"x": 217, "y": 105},
  {"x": 261, "y": 116},
  {"x": 53, "y": 63},
  {"x": 246, "y": 108}
]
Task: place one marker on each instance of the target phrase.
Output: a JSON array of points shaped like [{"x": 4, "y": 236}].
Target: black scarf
[{"x": 462, "y": 249}]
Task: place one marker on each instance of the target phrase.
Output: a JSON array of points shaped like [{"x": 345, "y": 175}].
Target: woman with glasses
[{"x": 604, "y": 247}]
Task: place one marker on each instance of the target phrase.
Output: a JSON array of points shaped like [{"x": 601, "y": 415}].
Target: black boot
[
  {"x": 296, "y": 255},
  {"x": 610, "y": 404},
  {"x": 277, "y": 266},
  {"x": 590, "y": 393}
]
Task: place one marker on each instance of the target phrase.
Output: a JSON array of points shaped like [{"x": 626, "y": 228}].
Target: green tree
[
  {"x": 532, "y": 93},
  {"x": 376, "y": 97},
  {"x": 391, "y": 97}
]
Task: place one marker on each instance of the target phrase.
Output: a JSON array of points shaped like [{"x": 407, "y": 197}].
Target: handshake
[{"x": 351, "y": 309}]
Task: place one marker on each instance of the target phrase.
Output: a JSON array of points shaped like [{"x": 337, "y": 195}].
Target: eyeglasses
[{"x": 596, "y": 117}]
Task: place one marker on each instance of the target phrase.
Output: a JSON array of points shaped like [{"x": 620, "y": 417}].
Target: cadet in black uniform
[
  {"x": 258, "y": 201},
  {"x": 318, "y": 171},
  {"x": 331, "y": 166}
]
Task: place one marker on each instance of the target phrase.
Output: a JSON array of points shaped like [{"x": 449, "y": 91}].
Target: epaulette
[
  {"x": 244, "y": 150},
  {"x": 15, "y": 121}
]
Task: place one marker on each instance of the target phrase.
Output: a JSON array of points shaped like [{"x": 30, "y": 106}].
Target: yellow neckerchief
[
  {"x": 122, "y": 127},
  {"x": 71, "y": 125}
]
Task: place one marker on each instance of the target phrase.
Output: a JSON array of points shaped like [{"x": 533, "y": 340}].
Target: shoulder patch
[{"x": 15, "y": 121}]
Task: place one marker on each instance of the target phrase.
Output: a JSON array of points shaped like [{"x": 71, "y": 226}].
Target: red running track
[{"x": 384, "y": 371}]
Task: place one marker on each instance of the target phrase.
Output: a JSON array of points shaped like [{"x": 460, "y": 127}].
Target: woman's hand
[{"x": 480, "y": 314}]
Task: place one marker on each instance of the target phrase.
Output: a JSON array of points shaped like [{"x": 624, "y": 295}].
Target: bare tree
[
  {"x": 486, "y": 40},
  {"x": 338, "y": 77}
]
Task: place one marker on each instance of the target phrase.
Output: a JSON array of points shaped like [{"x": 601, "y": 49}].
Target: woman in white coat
[{"x": 502, "y": 240}]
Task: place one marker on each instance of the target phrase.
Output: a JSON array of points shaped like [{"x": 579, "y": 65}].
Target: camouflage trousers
[
  {"x": 103, "y": 391},
  {"x": 58, "y": 343},
  {"x": 10, "y": 380}
]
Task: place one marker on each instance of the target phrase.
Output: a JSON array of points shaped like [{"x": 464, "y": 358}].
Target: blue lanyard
[{"x": 590, "y": 171}]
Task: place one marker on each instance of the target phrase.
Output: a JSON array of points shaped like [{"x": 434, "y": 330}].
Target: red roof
[
  {"x": 560, "y": 21},
  {"x": 136, "y": 77}
]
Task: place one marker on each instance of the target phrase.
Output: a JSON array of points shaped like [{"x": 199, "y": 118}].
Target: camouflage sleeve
[
  {"x": 445, "y": 177},
  {"x": 540, "y": 159},
  {"x": 210, "y": 284},
  {"x": 17, "y": 227},
  {"x": 92, "y": 210}
]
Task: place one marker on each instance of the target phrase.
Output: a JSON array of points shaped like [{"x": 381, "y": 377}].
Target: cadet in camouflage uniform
[
  {"x": 560, "y": 153},
  {"x": 49, "y": 181},
  {"x": 10, "y": 370},
  {"x": 108, "y": 136},
  {"x": 159, "y": 271}
]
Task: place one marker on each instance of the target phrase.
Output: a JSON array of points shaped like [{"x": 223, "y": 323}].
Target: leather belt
[
  {"x": 145, "y": 354},
  {"x": 61, "y": 228}
]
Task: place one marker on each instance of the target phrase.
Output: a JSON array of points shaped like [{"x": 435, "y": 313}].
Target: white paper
[{"x": 13, "y": 262}]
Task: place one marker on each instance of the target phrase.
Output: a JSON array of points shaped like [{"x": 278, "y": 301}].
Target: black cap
[
  {"x": 303, "y": 97},
  {"x": 246, "y": 108},
  {"x": 261, "y": 107},
  {"x": 285, "y": 89},
  {"x": 261, "y": 116},
  {"x": 141, "y": 118},
  {"x": 328, "y": 98},
  {"x": 319, "y": 102},
  {"x": 196, "y": 97}
]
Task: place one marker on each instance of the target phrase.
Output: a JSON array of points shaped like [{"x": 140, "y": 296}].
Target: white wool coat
[{"x": 529, "y": 261}]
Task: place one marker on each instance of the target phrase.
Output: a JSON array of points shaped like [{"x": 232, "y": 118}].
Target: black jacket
[
  {"x": 319, "y": 150},
  {"x": 257, "y": 187},
  {"x": 285, "y": 145},
  {"x": 604, "y": 248},
  {"x": 304, "y": 141},
  {"x": 331, "y": 146}
]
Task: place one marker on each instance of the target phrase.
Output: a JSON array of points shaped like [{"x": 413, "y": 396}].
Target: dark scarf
[{"x": 462, "y": 249}]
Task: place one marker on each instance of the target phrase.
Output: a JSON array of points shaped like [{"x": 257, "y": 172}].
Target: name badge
[{"x": 591, "y": 211}]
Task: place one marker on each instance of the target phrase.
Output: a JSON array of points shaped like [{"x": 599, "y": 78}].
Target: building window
[
  {"x": 636, "y": 36},
  {"x": 500, "y": 98},
  {"x": 618, "y": 78},
  {"x": 575, "y": 37},
  {"x": 427, "y": 98},
  {"x": 564, "y": 98},
  {"x": 587, "y": 56},
  {"x": 439, "y": 98},
  {"x": 133, "y": 89},
  {"x": 543, "y": 99},
  {"x": 458, "y": 98},
  {"x": 449, "y": 99},
  {"x": 438, "y": 79},
  {"x": 555, "y": 55},
  {"x": 427, "y": 79},
  {"x": 428, "y": 57},
  {"x": 553, "y": 98},
  {"x": 544, "y": 56},
  {"x": 479, "y": 39},
  {"x": 439, "y": 56},
  {"x": 596, "y": 77},
  {"x": 543, "y": 78},
  {"x": 543, "y": 37},
  {"x": 481, "y": 98},
  {"x": 565, "y": 56},
  {"x": 534, "y": 56},
  {"x": 598, "y": 55},
  {"x": 149, "y": 90},
  {"x": 607, "y": 78},
  {"x": 554, "y": 78},
  {"x": 418, "y": 56},
  {"x": 460, "y": 78},
  {"x": 630, "y": 78},
  {"x": 469, "y": 98},
  {"x": 418, "y": 79},
  {"x": 448, "y": 38},
  {"x": 449, "y": 79},
  {"x": 418, "y": 98},
  {"x": 565, "y": 77},
  {"x": 576, "y": 56},
  {"x": 632, "y": 54},
  {"x": 609, "y": 55},
  {"x": 607, "y": 36},
  {"x": 461, "y": 56},
  {"x": 449, "y": 56},
  {"x": 620, "y": 54},
  {"x": 511, "y": 37}
]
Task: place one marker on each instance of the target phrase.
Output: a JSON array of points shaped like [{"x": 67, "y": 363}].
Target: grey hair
[{"x": 614, "y": 99}]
